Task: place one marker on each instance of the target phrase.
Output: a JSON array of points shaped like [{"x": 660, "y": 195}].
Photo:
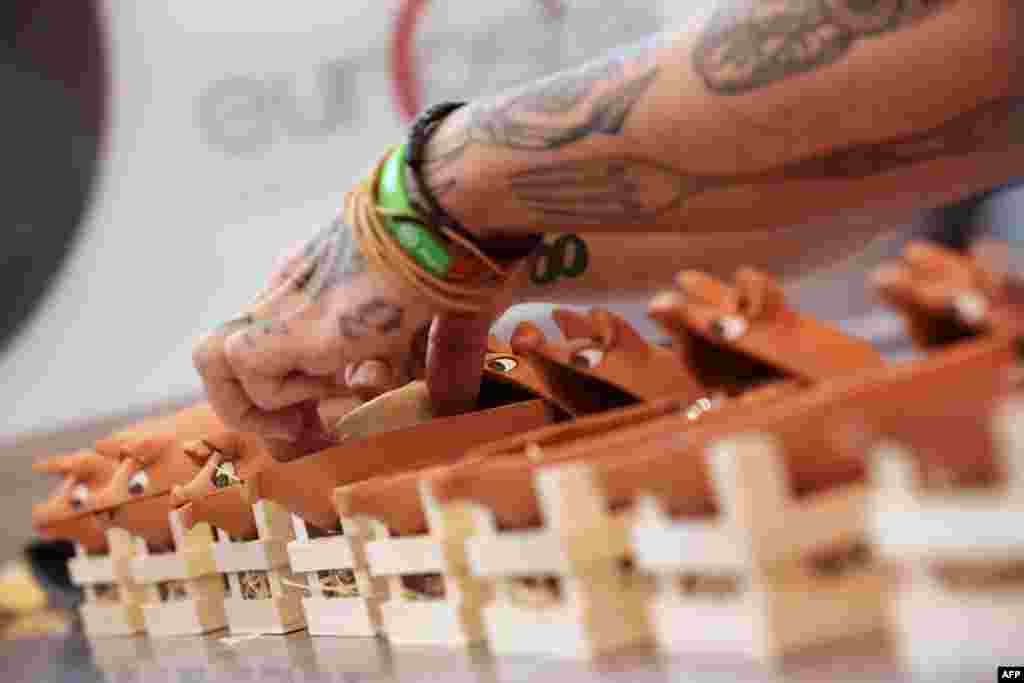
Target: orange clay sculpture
[
  {"x": 945, "y": 296},
  {"x": 586, "y": 373},
  {"x": 823, "y": 429},
  {"x": 65, "y": 514},
  {"x": 149, "y": 464},
  {"x": 707, "y": 366}
]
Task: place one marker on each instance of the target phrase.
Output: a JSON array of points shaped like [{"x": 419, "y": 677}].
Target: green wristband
[{"x": 403, "y": 222}]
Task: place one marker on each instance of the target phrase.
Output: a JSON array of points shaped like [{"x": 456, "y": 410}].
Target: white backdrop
[{"x": 234, "y": 128}]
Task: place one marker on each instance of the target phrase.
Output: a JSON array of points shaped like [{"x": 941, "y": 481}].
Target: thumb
[{"x": 456, "y": 348}]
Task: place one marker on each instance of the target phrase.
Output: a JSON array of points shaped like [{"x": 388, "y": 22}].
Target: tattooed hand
[{"x": 325, "y": 326}]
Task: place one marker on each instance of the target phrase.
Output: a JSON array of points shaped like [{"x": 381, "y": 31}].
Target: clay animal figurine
[
  {"x": 508, "y": 404},
  {"x": 797, "y": 463},
  {"x": 65, "y": 514},
  {"x": 602, "y": 351},
  {"x": 945, "y": 296},
  {"x": 212, "y": 496},
  {"x": 737, "y": 337},
  {"x": 305, "y": 486},
  {"x": 819, "y": 428},
  {"x": 150, "y": 462},
  {"x": 608, "y": 364}
]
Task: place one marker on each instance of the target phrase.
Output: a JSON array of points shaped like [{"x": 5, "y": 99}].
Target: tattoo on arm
[
  {"x": 622, "y": 191},
  {"x": 567, "y": 107},
  {"x": 328, "y": 259},
  {"x": 376, "y": 316},
  {"x": 752, "y": 43},
  {"x": 331, "y": 257},
  {"x": 600, "y": 191}
]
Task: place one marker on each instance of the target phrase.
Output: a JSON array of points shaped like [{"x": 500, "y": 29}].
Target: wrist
[{"x": 429, "y": 194}]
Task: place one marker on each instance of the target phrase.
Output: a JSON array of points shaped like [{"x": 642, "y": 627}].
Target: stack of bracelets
[{"x": 425, "y": 246}]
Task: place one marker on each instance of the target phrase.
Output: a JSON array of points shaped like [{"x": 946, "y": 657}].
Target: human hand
[{"x": 329, "y": 326}]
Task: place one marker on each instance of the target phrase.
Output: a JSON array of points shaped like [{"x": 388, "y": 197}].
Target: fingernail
[{"x": 370, "y": 374}]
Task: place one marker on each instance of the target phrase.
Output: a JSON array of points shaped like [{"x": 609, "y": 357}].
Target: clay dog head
[
  {"x": 945, "y": 296},
  {"x": 603, "y": 363},
  {"x": 150, "y": 462},
  {"x": 216, "y": 494},
  {"x": 735, "y": 337},
  {"x": 65, "y": 514}
]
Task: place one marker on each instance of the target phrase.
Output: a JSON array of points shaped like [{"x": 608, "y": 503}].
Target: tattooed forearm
[
  {"x": 751, "y": 43},
  {"x": 594, "y": 99},
  {"x": 330, "y": 258},
  {"x": 601, "y": 191},
  {"x": 622, "y": 191},
  {"x": 373, "y": 317}
]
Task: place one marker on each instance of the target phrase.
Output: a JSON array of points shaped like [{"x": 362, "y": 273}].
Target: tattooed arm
[{"x": 766, "y": 113}]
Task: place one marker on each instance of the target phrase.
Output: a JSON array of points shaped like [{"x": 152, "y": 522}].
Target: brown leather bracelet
[{"x": 500, "y": 249}]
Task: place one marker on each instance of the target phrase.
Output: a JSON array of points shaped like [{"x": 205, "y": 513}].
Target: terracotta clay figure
[
  {"x": 65, "y": 514},
  {"x": 508, "y": 404},
  {"x": 945, "y": 296},
  {"x": 577, "y": 497},
  {"x": 663, "y": 458},
  {"x": 582, "y": 374},
  {"x": 150, "y": 462},
  {"x": 611, "y": 366},
  {"x": 71, "y": 509},
  {"x": 211, "y": 496},
  {"x": 748, "y": 365},
  {"x": 111, "y": 604},
  {"x": 305, "y": 486}
]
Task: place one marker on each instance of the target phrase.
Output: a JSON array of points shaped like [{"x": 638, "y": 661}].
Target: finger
[
  {"x": 370, "y": 378},
  {"x": 456, "y": 348},
  {"x": 312, "y": 435},
  {"x": 281, "y": 348},
  {"x": 272, "y": 372},
  {"x": 230, "y": 400},
  {"x": 274, "y": 393}
]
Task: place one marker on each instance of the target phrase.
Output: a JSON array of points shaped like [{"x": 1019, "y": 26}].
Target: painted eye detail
[
  {"x": 502, "y": 364},
  {"x": 138, "y": 483},
  {"x": 79, "y": 496},
  {"x": 729, "y": 327},
  {"x": 224, "y": 475},
  {"x": 588, "y": 358}
]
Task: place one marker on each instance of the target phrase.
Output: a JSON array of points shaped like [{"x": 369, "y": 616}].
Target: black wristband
[{"x": 503, "y": 249}]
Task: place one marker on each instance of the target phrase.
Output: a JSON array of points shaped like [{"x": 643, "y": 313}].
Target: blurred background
[{"x": 159, "y": 155}]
